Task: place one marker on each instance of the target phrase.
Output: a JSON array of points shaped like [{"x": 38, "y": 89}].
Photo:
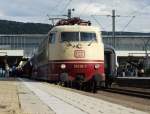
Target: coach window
[
  {"x": 86, "y": 36},
  {"x": 52, "y": 38}
]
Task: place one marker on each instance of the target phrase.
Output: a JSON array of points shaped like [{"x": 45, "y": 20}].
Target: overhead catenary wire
[
  {"x": 107, "y": 15},
  {"x": 139, "y": 12},
  {"x": 84, "y": 9},
  {"x": 128, "y": 23},
  {"x": 58, "y": 3},
  {"x": 135, "y": 15},
  {"x": 57, "y": 15},
  {"x": 54, "y": 17},
  {"x": 98, "y": 22},
  {"x": 66, "y": 6}
]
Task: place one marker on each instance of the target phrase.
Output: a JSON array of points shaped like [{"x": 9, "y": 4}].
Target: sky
[{"x": 131, "y": 15}]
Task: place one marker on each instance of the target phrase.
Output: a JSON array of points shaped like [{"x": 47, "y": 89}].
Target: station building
[
  {"x": 126, "y": 46},
  {"x": 14, "y": 47},
  {"x": 24, "y": 45}
]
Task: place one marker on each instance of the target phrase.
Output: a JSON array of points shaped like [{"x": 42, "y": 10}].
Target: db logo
[{"x": 79, "y": 53}]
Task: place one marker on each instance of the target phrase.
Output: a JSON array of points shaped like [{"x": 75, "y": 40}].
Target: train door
[
  {"x": 110, "y": 65},
  {"x": 110, "y": 60},
  {"x": 107, "y": 61}
]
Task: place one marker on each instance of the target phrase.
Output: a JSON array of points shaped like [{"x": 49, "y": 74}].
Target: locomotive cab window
[
  {"x": 78, "y": 36},
  {"x": 69, "y": 36},
  {"x": 85, "y": 36},
  {"x": 52, "y": 38}
]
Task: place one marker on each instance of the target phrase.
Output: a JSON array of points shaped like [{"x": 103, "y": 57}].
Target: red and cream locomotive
[{"x": 72, "y": 54}]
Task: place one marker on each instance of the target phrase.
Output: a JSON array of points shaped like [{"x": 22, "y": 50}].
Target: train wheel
[
  {"x": 82, "y": 86},
  {"x": 71, "y": 84},
  {"x": 94, "y": 86},
  {"x": 65, "y": 84},
  {"x": 88, "y": 86},
  {"x": 79, "y": 82},
  {"x": 64, "y": 79},
  {"x": 77, "y": 85},
  {"x": 107, "y": 85},
  {"x": 109, "y": 81}
]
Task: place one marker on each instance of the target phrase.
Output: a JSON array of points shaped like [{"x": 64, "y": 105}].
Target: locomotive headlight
[
  {"x": 96, "y": 66},
  {"x": 63, "y": 66}
]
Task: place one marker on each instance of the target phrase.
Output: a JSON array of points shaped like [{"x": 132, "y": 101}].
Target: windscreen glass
[
  {"x": 74, "y": 36},
  {"x": 69, "y": 36},
  {"x": 84, "y": 36}
]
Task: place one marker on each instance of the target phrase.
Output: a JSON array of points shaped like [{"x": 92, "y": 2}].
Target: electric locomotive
[{"x": 73, "y": 54}]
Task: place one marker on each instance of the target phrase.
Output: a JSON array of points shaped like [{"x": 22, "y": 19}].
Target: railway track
[{"x": 130, "y": 92}]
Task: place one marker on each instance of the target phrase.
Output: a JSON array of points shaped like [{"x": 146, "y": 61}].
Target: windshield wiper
[{"x": 91, "y": 42}]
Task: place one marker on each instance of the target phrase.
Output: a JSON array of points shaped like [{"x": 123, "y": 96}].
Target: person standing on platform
[{"x": 7, "y": 71}]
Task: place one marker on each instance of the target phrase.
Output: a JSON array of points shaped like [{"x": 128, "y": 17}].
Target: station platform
[
  {"x": 142, "y": 82},
  {"x": 133, "y": 77},
  {"x": 23, "y": 96}
]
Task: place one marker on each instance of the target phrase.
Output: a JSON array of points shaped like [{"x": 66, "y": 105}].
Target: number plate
[
  {"x": 79, "y": 53},
  {"x": 80, "y": 66}
]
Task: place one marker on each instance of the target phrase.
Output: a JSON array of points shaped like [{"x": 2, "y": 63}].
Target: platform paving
[
  {"x": 59, "y": 100},
  {"x": 30, "y": 103},
  {"x": 9, "y": 101},
  {"x": 22, "y": 96},
  {"x": 16, "y": 98}
]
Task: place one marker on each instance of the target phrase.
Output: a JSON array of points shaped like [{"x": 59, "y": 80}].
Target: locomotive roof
[{"x": 74, "y": 28}]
